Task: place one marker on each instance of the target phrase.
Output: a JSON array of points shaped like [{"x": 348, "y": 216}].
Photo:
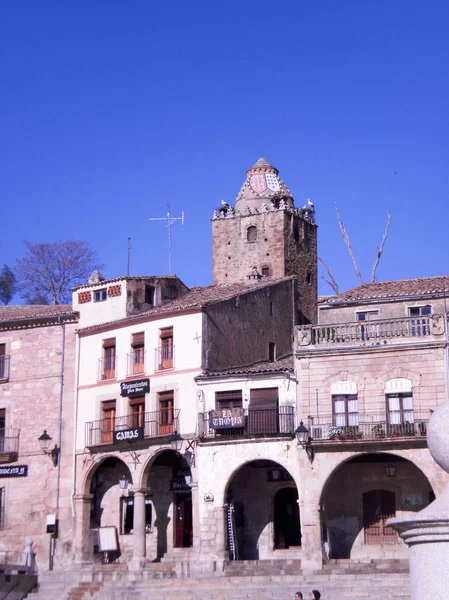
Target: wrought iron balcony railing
[
  {"x": 240, "y": 423},
  {"x": 4, "y": 368},
  {"x": 164, "y": 358},
  {"x": 154, "y": 424},
  {"x": 107, "y": 368},
  {"x": 9, "y": 441},
  {"x": 370, "y": 426},
  {"x": 365, "y": 333}
]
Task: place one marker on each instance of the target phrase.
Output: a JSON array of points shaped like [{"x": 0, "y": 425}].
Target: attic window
[
  {"x": 149, "y": 294},
  {"x": 100, "y": 295},
  {"x": 251, "y": 234}
]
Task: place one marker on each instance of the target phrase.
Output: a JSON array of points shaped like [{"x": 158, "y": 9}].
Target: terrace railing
[
  {"x": 155, "y": 424},
  {"x": 270, "y": 421}
]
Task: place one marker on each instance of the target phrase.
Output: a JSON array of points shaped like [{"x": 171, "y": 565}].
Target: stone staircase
[{"x": 267, "y": 580}]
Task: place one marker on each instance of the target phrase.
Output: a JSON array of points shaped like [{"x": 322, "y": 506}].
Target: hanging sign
[
  {"x": 226, "y": 418},
  {"x": 128, "y": 435},
  {"x": 16, "y": 471},
  {"x": 135, "y": 388}
]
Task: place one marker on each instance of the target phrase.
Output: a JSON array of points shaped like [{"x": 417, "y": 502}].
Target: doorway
[
  {"x": 287, "y": 526},
  {"x": 183, "y": 520}
]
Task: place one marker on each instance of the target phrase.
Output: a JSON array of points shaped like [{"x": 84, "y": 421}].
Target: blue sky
[{"x": 111, "y": 109}]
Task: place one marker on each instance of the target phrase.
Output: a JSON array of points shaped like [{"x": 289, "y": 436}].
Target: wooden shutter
[
  {"x": 263, "y": 414},
  {"x": 109, "y": 343},
  {"x": 264, "y": 398},
  {"x": 2, "y": 349},
  {"x": 138, "y": 339},
  {"x": 228, "y": 399}
]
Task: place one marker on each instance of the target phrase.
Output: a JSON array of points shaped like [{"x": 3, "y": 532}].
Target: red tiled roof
[
  {"x": 198, "y": 297},
  {"x": 35, "y": 311},
  {"x": 283, "y": 364},
  {"x": 389, "y": 290}
]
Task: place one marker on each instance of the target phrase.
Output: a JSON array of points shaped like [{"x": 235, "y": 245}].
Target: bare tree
[
  {"x": 7, "y": 285},
  {"x": 49, "y": 271},
  {"x": 345, "y": 235},
  {"x": 380, "y": 249},
  {"x": 331, "y": 281}
]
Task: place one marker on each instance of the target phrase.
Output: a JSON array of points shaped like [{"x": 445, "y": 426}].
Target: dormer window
[{"x": 101, "y": 295}]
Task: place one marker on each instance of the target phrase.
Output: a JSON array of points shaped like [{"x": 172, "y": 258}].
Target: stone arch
[
  {"x": 149, "y": 461},
  {"x": 87, "y": 479},
  {"x": 344, "y": 376},
  {"x": 398, "y": 373}
]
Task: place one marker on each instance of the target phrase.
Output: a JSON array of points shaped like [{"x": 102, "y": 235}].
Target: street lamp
[
  {"x": 176, "y": 441},
  {"x": 44, "y": 442},
  {"x": 390, "y": 470},
  {"x": 123, "y": 482},
  {"x": 304, "y": 439}
]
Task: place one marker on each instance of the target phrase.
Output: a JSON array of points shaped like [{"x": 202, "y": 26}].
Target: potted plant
[
  {"x": 336, "y": 433},
  {"x": 395, "y": 431},
  {"x": 378, "y": 431}
]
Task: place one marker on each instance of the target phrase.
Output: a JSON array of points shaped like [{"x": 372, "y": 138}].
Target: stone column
[
  {"x": 312, "y": 553},
  {"x": 139, "y": 534},
  {"x": 82, "y": 551},
  {"x": 427, "y": 532}
]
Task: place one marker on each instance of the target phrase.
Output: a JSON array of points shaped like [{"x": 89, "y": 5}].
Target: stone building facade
[{"x": 37, "y": 358}]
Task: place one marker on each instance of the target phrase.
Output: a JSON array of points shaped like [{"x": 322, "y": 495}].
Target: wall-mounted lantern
[
  {"x": 304, "y": 440},
  {"x": 44, "y": 442}
]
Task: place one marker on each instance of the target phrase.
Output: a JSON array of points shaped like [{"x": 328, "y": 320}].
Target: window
[
  {"x": 2, "y": 429},
  {"x": 345, "y": 410},
  {"x": 137, "y": 412},
  {"x": 368, "y": 331},
  {"x": 271, "y": 309},
  {"x": 271, "y": 351},
  {"x": 266, "y": 271},
  {"x": 138, "y": 353},
  {"x": 149, "y": 294},
  {"x": 263, "y": 413},
  {"x": 378, "y": 506},
  {"x": 108, "y": 371},
  {"x": 128, "y": 515},
  {"x": 4, "y": 362},
  {"x": 420, "y": 326},
  {"x": 101, "y": 295},
  {"x": 108, "y": 424},
  {"x": 400, "y": 413},
  {"x": 2, "y": 508},
  {"x": 251, "y": 234},
  {"x": 166, "y": 348},
  {"x": 166, "y": 412}
]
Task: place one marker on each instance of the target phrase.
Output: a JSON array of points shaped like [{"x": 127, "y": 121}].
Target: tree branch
[
  {"x": 345, "y": 235},
  {"x": 331, "y": 281},
  {"x": 381, "y": 248}
]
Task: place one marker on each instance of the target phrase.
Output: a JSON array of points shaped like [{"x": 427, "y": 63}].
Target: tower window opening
[
  {"x": 251, "y": 234},
  {"x": 271, "y": 351}
]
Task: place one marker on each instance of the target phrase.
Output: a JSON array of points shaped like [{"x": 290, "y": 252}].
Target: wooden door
[
  {"x": 108, "y": 422},
  {"x": 378, "y": 507},
  {"x": 183, "y": 520},
  {"x": 109, "y": 363},
  {"x": 263, "y": 413},
  {"x": 166, "y": 337},
  {"x": 166, "y": 413}
]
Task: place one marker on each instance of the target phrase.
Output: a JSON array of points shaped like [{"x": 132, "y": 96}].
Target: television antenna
[{"x": 170, "y": 222}]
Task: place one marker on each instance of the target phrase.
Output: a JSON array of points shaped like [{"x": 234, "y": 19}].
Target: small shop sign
[
  {"x": 226, "y": 418},
  {"x": 179, "y": 485},
  {"x": 15, "y": 471},
  {"x": 135, "y": 388},
  {"x": 128, "y": 435}
]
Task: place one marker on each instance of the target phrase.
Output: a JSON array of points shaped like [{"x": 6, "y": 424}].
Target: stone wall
[{"x": 31, "y": 399}]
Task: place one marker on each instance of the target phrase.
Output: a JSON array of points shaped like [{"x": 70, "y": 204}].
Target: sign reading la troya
[{"x": 135, "y": 388}]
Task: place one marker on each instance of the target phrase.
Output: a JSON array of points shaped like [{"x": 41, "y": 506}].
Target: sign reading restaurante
[
  {"x": 135, "y": 388},
  {"x": 226, "y": 418}
]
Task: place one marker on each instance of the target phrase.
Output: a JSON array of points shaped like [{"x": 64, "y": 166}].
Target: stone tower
[{"x": 264, "y": 235}]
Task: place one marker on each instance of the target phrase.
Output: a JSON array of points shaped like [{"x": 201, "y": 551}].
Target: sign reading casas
[
  {"x": 226, "y": 418},
  {"x": 128, "y": 435},
  {"x": 135, "y": 388},
  {"x": 16, "y": 471}
]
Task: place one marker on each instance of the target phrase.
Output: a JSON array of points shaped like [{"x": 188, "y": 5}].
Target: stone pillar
[
  {"x": 139, "y": 534},
  {"x": 82, "y": 551},
  {"x": 427, "y": 532},
  {"x": 312, "y": 552}
]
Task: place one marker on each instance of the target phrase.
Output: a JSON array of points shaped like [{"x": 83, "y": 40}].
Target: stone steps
[{"x": 119, "y": 584}]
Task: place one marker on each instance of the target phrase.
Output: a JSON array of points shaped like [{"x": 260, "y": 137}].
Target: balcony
[
  {"x": 370, "y": 427},
  {"x": 136, "y": 363},
  {"x": 9, "y": 444},
  {"x": 4, "y": 368},
  {"x": 165, "y": 358},
  {"x": 372, "y": 333},
  {"x": 107, "y": 368},
  {"x": 155, "y": 425},
  {"x": 242, "y": 423}
]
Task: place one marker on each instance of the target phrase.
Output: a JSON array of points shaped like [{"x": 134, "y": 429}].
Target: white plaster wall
[{"x": 93, "y": 313}]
